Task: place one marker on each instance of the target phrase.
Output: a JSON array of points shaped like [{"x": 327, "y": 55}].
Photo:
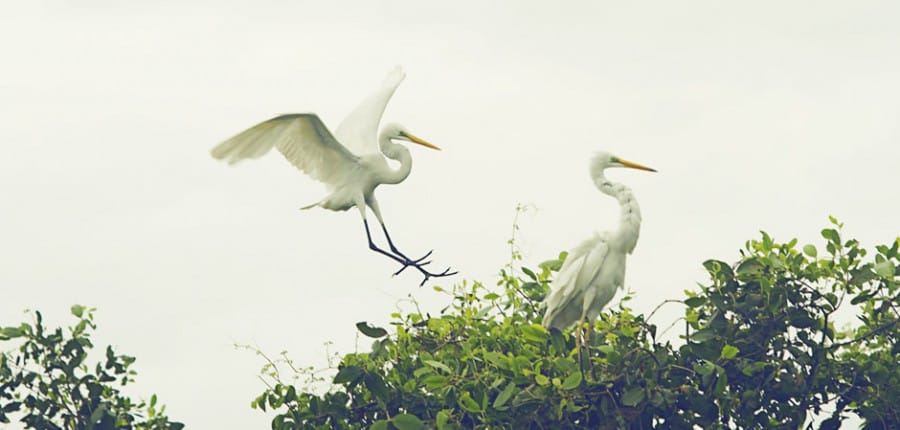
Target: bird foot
[{"x": 419, "y": 264}]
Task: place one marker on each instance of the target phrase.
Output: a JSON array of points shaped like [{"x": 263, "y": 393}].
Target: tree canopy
[
  {"x": 48, "y": 382},
  {"x": 767, "y": 343},
  {"x": 761, "y": 349}
]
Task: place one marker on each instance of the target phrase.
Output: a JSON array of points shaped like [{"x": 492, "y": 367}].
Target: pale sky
[{"x": 759, "y": 115}]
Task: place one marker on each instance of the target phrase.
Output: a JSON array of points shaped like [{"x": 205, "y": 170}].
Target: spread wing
[
  {"x": 302, "y": 138},
  {"x": 564, "y": 305},
  {"x": 359, "y": 130}
]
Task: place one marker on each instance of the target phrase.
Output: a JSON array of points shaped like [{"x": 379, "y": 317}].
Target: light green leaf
[
  {"x": 885, "y": 269},
  {"x": 379, "y": 425},
  {"x": 77, "y": 310},
  {"x": 438, "y": 365},
  {"x": 505, "y": 395},
  {"x": 7, "y": 333},
  {"x": 442, "y": 417},
  {"x": 541, "y": 379},
  {"x": 810, "y": 250},
  {"x": 535, "y": 333},
  {"x": 469, "y": 404},
  {"x": 729, "y": 352},
  {"x": 572, "y": 381}
]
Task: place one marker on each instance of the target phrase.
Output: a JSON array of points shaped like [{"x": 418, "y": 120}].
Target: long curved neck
[
  {"x": 629, "y": 229},
  {"x": 397, "y": 153}
]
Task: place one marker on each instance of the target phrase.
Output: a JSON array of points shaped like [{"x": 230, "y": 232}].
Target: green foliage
[
  {"x": 760, "y": 351},
  {"x": 48, "y": 382}
]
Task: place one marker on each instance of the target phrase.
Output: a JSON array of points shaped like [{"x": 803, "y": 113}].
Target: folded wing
[
  {"x": 564, "y": 306},
  {"x": 302, "y": 138}
]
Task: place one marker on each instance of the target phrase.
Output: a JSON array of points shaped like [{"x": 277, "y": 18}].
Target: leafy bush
[
  {"x": 760, "y": 350},
  {"x": 47, "y": 381}
]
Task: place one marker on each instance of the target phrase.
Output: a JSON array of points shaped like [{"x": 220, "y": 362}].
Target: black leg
[
  {"x": 375, "y": 248},
  {"x": 397, "y": 251}
]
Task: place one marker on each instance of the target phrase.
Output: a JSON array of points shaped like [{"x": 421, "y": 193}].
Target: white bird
[
  {"x": 595, "y": 269},
  {"x": 351, "y": 163}
]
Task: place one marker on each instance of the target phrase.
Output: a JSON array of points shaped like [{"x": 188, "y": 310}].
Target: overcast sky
[{"x": 762, "y": 115}]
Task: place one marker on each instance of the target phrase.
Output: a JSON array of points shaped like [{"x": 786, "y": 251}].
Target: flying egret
[
  {"x": 351, "y": 163},
  {"x": 595, "y": 269}
]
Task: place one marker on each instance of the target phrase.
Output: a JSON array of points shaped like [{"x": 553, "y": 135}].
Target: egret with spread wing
[
  {"x": 595, "y": 269},
  {"x": 351, "y": 163}
]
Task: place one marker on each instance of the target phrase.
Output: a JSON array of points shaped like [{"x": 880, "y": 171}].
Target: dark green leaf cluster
[
  {"x": 760, "y": 350},
  {"x": 48, "y": 383}
]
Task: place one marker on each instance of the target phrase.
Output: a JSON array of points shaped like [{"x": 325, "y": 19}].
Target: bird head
[
  {"x": 603, "y": 160},
  {"x": 395, "y": 131}
]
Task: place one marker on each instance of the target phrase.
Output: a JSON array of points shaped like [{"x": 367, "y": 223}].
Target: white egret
[
  {"x": 595, "y": 269},
  {"x": 351, "y": 163}
]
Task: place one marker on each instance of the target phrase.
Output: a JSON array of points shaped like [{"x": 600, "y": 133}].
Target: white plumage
[
  {"x": 351, "y": 163},
  {"x": 595, "y": 269}
]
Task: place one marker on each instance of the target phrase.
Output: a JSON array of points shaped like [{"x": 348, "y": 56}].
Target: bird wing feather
[
  {"x": 302, "y": 138},
  {"x": 359, "y": 130},
  {"x": 579, "y": 270}
]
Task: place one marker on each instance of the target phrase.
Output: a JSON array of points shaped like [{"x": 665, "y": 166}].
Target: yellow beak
[
  {"x": 422, "y": 142},
  {"x": 635, "y": 165}
]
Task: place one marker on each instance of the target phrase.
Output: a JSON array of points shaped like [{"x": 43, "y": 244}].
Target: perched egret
[
  {"x": 351, "y": 163},
  {"x": 593, "y": 270}
]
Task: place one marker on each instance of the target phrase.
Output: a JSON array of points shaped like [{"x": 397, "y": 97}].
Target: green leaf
[
  {"x": 541, "y": 379},
  {"x": 802, "y": 320},
  {"x": 832, "y": 235},
  {"x": 810, "y": 250},
  {"x": 529, "y": 273},
  {"x": 438, "y": 365},
  {"x": 572, "y": 381},
  {"x": 702, "y": 335},
  {"x": 379, "y": 425},
  {"x": 505, "y": 395},
  {"x": 750, "y": 266},
  {"x": 442, "y": 417},
  {"x": 722, "y": 380},
  {"x": 376, "y": 385},
  {"x": 435, "y": 382},
  {"x": 885, "y": 269},
  {"x": 693, "y": 302},
  {"x": 729, "y": 352},
  {"x": 552, "y": 265},
  {"x": 347, "y": 374},
  {"x": 633, "y": 396},
  {"x": 371, "y": 331},
  {"x": 469, "y": 404},
  {"x": 77, "y": 310},
  {"x": 7, "y": 333},
  {"x": 535, "y": 333},
  {"x": 716, "y": 266},
  {"x": 705, "y": 368},
  {"x": 407, "y": 422}
]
